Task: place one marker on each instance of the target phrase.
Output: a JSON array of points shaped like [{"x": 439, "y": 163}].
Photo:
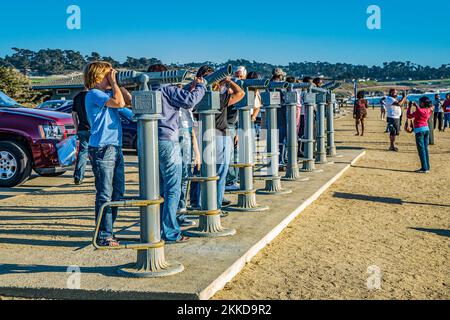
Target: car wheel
[
  {"x": 52, "y": 174},
  {"x": 15, "y": 165}
]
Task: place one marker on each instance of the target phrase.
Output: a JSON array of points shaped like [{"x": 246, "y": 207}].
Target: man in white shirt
[{"x": 394, "y": 112}]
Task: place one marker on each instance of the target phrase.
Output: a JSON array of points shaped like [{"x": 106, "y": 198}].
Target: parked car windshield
[
  {"x": 53, "y": 104},
  {"x": 7, "y": 102}
]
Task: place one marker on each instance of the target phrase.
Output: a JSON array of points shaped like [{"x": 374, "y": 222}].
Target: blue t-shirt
[{"x": 106, "y": 127}]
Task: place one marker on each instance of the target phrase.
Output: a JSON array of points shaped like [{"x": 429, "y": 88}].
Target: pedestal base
[
  {"x": 309, "y": 165},
  {"x": 273, "y": 187},
  {"x": 204, "y": 234},
  {"x": 324, "y": 162},
  {"x": 151, "y": 263},
  {"x": 247, "y": 202},
  {"x": 292, "y": 174},
  {"x": 210, "y": 227}
]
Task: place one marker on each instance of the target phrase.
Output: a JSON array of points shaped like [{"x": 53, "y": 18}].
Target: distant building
[{"x": 61, "y": 88}]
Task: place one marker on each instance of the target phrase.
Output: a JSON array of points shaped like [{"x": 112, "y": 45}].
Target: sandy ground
[{"x": 380, "y": 218}]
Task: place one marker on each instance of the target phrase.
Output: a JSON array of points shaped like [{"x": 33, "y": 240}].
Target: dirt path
[{"x": 380, "y": 216}]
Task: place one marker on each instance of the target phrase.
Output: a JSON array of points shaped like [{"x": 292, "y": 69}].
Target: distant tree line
[{"x": 56, "y": 61}]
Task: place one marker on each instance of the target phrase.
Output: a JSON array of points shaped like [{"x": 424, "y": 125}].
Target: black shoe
[
  {"x": 226, "y": 202},
  {"x": 224, "y": 214},
  {"x": 78, "y": 181}
]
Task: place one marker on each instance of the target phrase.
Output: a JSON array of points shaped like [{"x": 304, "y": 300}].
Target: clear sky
[{"x": 277, "y": 32}]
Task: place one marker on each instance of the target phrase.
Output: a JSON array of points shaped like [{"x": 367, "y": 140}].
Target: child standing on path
[
  {"x": 421, "y": 115},
  {"x": 383, "y": 109}
]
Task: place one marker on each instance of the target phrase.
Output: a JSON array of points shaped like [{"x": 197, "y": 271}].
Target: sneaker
[
  {"x": 233, "y": 187},
  {"x": 187, "y": 223},
  {"x": 78, "y": 181},
  {"x": 421, "y": 171},
  {"x": 226, "y": 202},
  {"x": 194, "y": 208},
  {"x": 395, "y": 149}
]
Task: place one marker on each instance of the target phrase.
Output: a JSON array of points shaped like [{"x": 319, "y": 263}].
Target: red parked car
[{"x": 32, "y": 139}]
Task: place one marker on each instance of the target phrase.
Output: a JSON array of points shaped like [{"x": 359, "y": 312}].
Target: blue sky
[{"x": 186, "y": 31}]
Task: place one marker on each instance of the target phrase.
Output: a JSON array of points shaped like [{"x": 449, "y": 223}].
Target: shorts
[
  {"x": 393, "y": 126},
  {"x": 360, "y": 113}
]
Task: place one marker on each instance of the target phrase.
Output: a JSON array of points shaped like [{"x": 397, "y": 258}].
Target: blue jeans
[
  {"x": 422, "y": 141},
  {"x": 185, "y": 138},
  {"x": 109, "y": 171},
  {"x": 282, "y": 130},
  {"x": 233, "y": 173},
  {"x": 446, "y": 120},
  {"x": 170, "y": 169},
  {"x": 83, "y": 151},
  {"x": 194, "y": 192},
  {"x": 224, "y": 144}
]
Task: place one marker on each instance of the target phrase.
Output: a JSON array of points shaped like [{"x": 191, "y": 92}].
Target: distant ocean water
[{"x": 411, "y": 97}]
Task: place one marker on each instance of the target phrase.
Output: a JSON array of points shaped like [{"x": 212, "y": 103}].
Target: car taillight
[{"x": 52, "y": 132}]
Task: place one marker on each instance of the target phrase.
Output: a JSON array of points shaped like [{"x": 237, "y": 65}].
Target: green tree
[
  {"x": 16, "y": 85},
  {"x": 140, "y": 64},
  {"x": 73, "y": 60},
  {"x": 95, "y": 56},
  {"x": 21, "y": 59},
  {"x": 49, "y": 61},
  {"x": 114, "y": 63}
]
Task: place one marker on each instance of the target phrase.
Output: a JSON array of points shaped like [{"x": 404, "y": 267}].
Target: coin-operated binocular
[
  {"x": 292, "y": 99},
  {"x": 331, "y": 146},
  {"x": 210, "y": 222},
  {"x": 219, "y": 75},
  {"x": 330, "y": 107},
  {"x": 314, "y": 96},
  {"x": 147, "y": 107},
  {"x": 332, "y": 85},
  {"x": 146, "y": 79},
  {"x": 247, "y": 147},
  {"x": 271, "y": 101},
  {"x": 278, "y": 85}
]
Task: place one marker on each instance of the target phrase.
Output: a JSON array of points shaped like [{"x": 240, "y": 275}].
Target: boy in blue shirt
[{"x": 105, "y": 142}]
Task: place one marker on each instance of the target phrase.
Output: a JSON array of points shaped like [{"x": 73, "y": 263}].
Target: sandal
[
  {"x": 108, "y": 242},
  {"x": 182, "y": 239}
]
